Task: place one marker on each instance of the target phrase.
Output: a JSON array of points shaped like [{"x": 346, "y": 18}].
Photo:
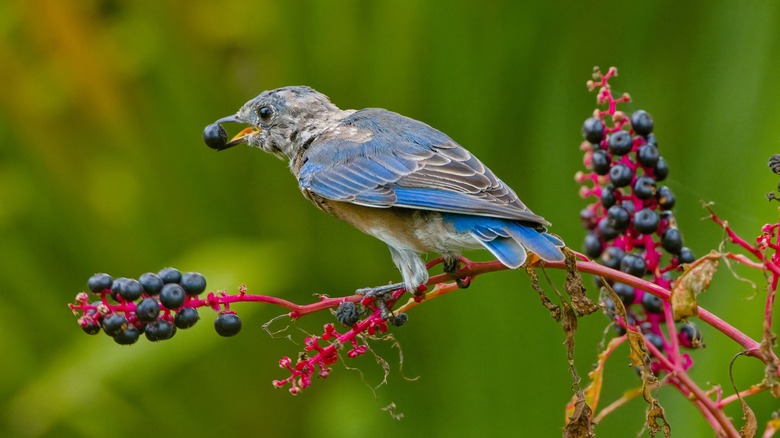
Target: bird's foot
[
  {"x": 451, "y": 266},
  {"x": 380, "y": 295}
]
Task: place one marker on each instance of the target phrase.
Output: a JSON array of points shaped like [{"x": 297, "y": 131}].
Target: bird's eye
[{"x": 264, "y": 113}]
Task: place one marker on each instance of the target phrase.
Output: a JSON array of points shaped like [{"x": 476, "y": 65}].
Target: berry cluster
[
  {"x": 155, "y": 305},
  {"x": 631, "y": 219}
]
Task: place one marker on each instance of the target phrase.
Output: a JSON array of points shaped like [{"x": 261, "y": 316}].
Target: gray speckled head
[{"x": 284, "y": 119}]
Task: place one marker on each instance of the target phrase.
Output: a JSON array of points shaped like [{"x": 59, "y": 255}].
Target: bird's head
[{"x": 281, "y": 121}]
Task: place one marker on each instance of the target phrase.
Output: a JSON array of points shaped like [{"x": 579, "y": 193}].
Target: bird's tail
[{"x": 510, "y": 240}]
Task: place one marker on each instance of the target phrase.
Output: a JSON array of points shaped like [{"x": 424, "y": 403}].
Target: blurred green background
[{"x": 102, "y": 168}]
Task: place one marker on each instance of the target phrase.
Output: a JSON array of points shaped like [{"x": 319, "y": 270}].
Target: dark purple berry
[
  {"x": 114, "y": 323},
  {"x": 159, "y": 330},
  {"x": 612, "y": 256},
  {"x": 400, "y": 319},
  {"x": 650, "y": 139},
  {"x": 128, "y": 336},
  {"x": 227, "y": 324},
  {"x": 588, "y": 219},
  {"x": 172, "y": 296},
  {"x": 633, "y": 264},
  {"x": 620, "y": 142},
  {"x": 186, "y": 317},
  {"x": 652, "y": 304},
  {"x": 646, "y": 221},
  {"x": 625, "y": 292},
  {"x": 605, "y": 231},
  {"x": 642, "y": 122},
  {"x": 89, "y": 325},
  {"x": 644, "y": 187},
  {"x": 592, "y": 130},
  {"x": 592, "y": 245},
  {"x": 151, "y": 282},
  {"x": 655, "y": 340},
  {"x": 608, "y": 196},
  {"x": 215, "y": 136},
  {"x": 147, "y": 310},
  {"x": 99, "y": 282},
  {"x": 672, "y": 241},
  {"x": 665, "y": 198},
  {"x": 618, "y": 218},
  {"x": 170, "y": 275},
  {"x": 193, "y": 283},
  {"x": 116, "y": 286},
  {"x": 620, "y": 175},
  {"x": 600, "y": 161},
  {"x": 130, "y": 289},
  {"x": 689, "y": 336},
  {"x": 347, "y": 313},
  {"x": 661, "y": 169},
  {"x": 628, "y": 205},
  {"x": 686, "y": 255},
  {"x": 648, "y": 155}
]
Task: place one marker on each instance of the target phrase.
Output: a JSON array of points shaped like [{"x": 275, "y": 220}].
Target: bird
[{"x": 394, "y": 178}]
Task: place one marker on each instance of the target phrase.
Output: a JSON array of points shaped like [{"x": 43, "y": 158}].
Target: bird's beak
[
  {"x": 241, "y": 137},
  {"x": 215, "y": 134}
]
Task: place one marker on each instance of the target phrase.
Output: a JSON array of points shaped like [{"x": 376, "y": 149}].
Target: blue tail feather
[{"x": 507, "y": 239}]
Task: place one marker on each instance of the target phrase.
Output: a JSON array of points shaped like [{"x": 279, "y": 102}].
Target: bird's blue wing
[{"x": 379, "y": 158}]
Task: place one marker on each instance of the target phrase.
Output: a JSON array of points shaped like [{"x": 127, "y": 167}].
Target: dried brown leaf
[
  {"x": 575, "y": 287},
  {"x": 579, "y": 424},
  {"x": 695, "y": 280}
]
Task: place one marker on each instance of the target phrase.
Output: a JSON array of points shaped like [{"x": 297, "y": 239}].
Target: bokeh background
[{"x": 102, "y": 168}]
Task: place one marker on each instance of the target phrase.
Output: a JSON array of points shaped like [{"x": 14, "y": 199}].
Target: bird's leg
[{"x": 451, "y": 265}]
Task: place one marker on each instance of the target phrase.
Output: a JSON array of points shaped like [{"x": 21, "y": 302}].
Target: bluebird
[{"x": 394, "y": 178}]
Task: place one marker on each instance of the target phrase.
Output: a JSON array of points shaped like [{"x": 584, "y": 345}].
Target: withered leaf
[{"x": 695, "y": 280}]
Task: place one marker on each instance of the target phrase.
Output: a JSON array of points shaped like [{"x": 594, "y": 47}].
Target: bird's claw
[{"x": 380, "y": 295}]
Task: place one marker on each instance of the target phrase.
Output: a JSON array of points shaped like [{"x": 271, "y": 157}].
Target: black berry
[
  {"x": 186, "y": 317},
  {"x": 605, "y": 231},
  {"x": 642, "y": 122},
  {"x": 116, "y": 286},
  {"x": 646, "y": 221},
  {"x": 592, "y": 245},
  {"x": 128, "y": 336},
  {"x": 159, "y": 330},
  {"x": 151, "y": 282},
  {"x": 99, "y": 282},
  {"x": 130, "y": 289},
  {"x": 633, "y": 264},
  {"x": 620, "y": 142},
  {"x": 648, "y": 155},
  {"x": 689, "y": 335},
  {"x": 644, "y": 187},
  {"x": 172, "y": 296},
  {"x": 215, "y": 136},
  {"x": 652, "y": 304},
  {"x": 661, "y": 169},
  {"x": 620, "y": 175},
  {"x": 672, "y": 241},
  {"x": 114, "y": 324},
  {"x": 655, "y": 340},
  {"x": 612, "y": 257},
  {"x": 89, "y": 325},
  {"x": 347, "y": 313},
  {"x": 592, "y": 130},
  {"x": 650, "y": 139},
  {"x": 600, "y": 161},
  {"x": 608, "y": 196},
  {"x": 618, "y": 218},
  {"x": 625, "y": 292},
  {"x": 665, "y": 198},
  {"x": 147, "y": 310},
  {"x": 170, "y": 275},
  {"x": 588, "y": 219},
  {"x": 686, "y": 255},
  {"x": 227, "y": 324},
  {"x": 193, "y": 283}
]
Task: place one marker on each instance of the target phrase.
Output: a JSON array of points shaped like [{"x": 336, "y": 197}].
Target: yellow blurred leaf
[{"x": 695, "y": 280}]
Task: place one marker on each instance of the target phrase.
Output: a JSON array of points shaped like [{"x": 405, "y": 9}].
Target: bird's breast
[{"x": 418, "y": 230}]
